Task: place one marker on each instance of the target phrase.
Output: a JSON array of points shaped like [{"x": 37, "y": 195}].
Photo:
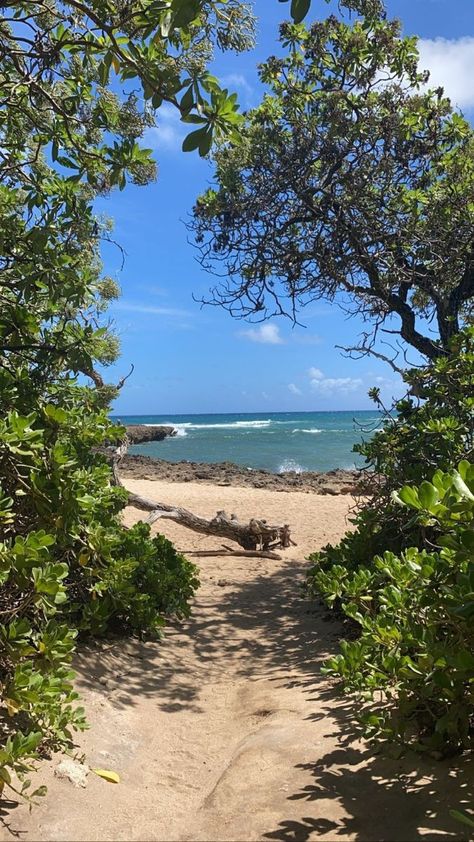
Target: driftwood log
[
  {"x": 256, "y": 535},
  {"x": 234, "y": 553}
]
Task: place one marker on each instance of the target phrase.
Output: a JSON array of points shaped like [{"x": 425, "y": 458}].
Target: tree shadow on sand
[
  {"x": 250, "y": 629},
  {"x": 385, "y": 800},
  {"x": 264, "y": 629}
]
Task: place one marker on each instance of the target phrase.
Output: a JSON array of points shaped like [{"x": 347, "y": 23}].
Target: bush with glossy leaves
[
  {"x": 432, "y": 428},
  {"x": 415, "y": 613}
]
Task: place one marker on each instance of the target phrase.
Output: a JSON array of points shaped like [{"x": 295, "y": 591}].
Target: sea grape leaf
[{"x": 108, "y": 775}]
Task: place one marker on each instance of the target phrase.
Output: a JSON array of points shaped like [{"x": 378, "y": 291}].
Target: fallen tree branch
[
  {"x": 256, "y": 535},
  {"x": 240, "y": 553}
]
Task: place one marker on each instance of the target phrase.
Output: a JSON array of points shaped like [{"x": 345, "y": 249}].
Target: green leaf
[
  {"x": 462, "y": 817},
  {"x": 205, "y": 144},
  {"x": 187, "y": 101},
  {"x": 464, "y": 469},
  {"x": 461, "y": 487},
  {"x": 427, "y": 495},
  {"x": 409, "y": 496},
  {"x": 193, "y": 141},
  {"x": 56, "y": 413},
  {"x": 299, "y": 9},
  {"x": 5, "y": 775},
  {"x": 40, "y": 792}
]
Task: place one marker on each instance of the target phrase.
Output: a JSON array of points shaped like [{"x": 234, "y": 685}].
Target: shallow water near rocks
[{"x": 278, "y": 441}]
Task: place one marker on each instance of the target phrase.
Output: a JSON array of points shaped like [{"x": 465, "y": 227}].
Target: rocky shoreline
[{"x": 227, "y": 473}]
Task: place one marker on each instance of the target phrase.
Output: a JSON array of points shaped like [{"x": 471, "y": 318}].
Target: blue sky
[{"x": 189, "y": 359}]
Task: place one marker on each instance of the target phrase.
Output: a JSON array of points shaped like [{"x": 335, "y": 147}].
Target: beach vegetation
[
  {"x": 431, "y": 428},
  {"x": 80, "y": 84},
  {"x": 413, "y": 662},
  {"x": 405, "y": 574}
]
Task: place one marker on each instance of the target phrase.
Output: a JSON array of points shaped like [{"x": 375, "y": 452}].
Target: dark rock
[
  {"x": 225, "y": 473},
  {"x": 142, "y": 434}
]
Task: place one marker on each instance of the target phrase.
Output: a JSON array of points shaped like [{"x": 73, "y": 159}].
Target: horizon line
[{"x": 256, "y": 412}]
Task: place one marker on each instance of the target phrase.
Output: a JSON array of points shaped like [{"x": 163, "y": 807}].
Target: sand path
[{"x": 227, "y": 731}]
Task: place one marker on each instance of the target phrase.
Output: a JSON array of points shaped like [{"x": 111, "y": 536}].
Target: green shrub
[
  {"x": 415, "y": 612},
  {"x": 67, "y": 565},
  {"x": 432, "y": 428},
  {"x": 404, "y": 574}
]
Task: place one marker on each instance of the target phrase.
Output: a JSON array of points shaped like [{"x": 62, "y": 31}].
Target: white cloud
[
  {"x": 153, "y": 289},
  {"x": 130, "y": 307},
  {"x": 451, "y": 64},
  {"x": 169, "y": 132},
  {"x": 266, "y": 334},
  {"x": 294, "y": 389},
  {"x": 329, "y": 385},
  {"x": 333, "y": 385},
  {"x": 309, "y": 339},
  {"x": 236, "y": 80},
  {"x": 337, "y": 385},
  {"x": 387, "y": 382}
]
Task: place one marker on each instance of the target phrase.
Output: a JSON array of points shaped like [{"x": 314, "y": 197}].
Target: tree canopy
[
  {"x": 352, "y": 181},
  {"x": 79, "y": 84}
]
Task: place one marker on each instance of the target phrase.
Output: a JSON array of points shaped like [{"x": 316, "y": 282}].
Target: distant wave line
[
  {"x": 182, "y": 428},
  {"x": 313, "y": 430},
  {"x": 192, "y": 426}
]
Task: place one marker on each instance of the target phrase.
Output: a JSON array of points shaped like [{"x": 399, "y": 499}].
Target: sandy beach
[{"x": 226, "y": 730}]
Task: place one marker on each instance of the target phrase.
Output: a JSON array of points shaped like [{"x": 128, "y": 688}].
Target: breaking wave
[
  {"x": 234, "y": 425},
  {"x": 182, "y": 429},
  {"x": 291, "y": 465}
]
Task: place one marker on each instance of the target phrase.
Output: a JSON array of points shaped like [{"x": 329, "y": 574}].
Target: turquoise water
[{"x": 277, "y": 441}]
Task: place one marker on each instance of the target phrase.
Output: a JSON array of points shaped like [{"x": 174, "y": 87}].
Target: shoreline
[{"x": 334, "y": 482}]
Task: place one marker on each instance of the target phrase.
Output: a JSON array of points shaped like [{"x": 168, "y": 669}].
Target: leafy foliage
[
  {"x": 433, "y": 427},
  {"x": 352, "y": 182},
  {"x": 67, "y": 565},
  {"x": 416, "y": 615},
  {"x": 62, "y": 60},
  {"x": 405, "y": 575},
  {"x": 300, "y": 8}
]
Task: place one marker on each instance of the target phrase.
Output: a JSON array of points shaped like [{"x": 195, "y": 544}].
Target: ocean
[{"x": 276, "y": 441}]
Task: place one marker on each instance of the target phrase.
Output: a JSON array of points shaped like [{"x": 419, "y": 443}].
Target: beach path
[{"x": 226, "y": 730}]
